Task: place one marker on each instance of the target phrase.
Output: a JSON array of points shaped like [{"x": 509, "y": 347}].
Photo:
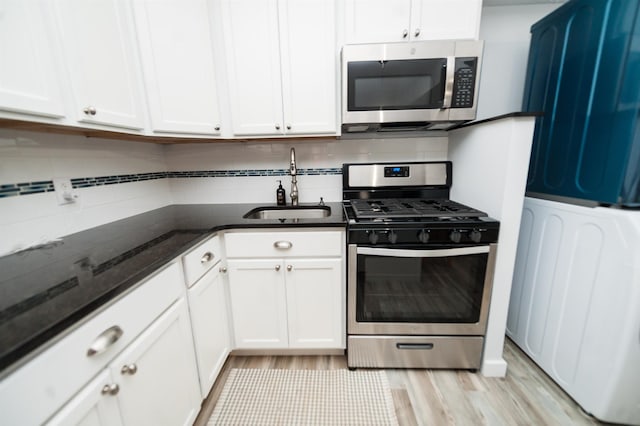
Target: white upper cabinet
[
  {"x": 379, "y": 21},
  {"x": 253, "y": 65},
  {"x": 177, "y": 57},
  {"x": 309, "y": 76},
  {"x": 99, "y": 50},
  {"x": 445, "y": 19},
  {"x": 29, "y": 80},
  {"x": 281, "y": 63}
]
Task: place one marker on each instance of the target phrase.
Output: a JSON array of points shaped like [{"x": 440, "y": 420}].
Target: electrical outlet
[{"x": 65, "y": 193}]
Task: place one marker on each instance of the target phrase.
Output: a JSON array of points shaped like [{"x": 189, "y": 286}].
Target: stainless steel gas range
[{"x": 420, "y": 268}]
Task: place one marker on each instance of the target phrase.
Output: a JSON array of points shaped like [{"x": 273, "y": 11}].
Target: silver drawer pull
[
  {"x": 283, "y": 245},
  {"x": 105, "y": 340},
  {"x": 422, "y": 346},
  {"x": 206, "y": 257},
  {"x": 111, "y": 389},
  {"x": 129, "y": 369}
]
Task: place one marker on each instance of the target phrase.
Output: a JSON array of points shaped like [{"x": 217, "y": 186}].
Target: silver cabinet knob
[
  {"x": 222, "y": 269},
  {"x": 277, "y": 127},
  {"x": 417, "y": 33},
  {"x": 111, "y": 389},
  {"x": 289, "y": 267},
  {"x": 277, "y": 267},
  {"x": 405, "y": 33},
  {"x": 216, "y": 128},
  {"x": 129, "y": 369},
  {"x": 206, "y": 257},
  {"x": 90, "y": 110},
  {"x": 288, "y": 126},
  {"x": 105, "y": 340}
]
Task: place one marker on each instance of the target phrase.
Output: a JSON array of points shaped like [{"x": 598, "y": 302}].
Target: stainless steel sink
[{"x": 289, "y": 212}]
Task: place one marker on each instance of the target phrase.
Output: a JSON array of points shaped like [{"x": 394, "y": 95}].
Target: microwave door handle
[{"x": 448, "y": 87}]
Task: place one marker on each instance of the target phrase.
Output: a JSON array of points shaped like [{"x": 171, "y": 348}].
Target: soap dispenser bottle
[{"x": 281, "y": 197}]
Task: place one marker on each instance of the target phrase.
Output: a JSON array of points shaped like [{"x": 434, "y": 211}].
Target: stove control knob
[
  {"x": 393, "y": 237},
  {"x": 455, "y": 236},
  {"x": 373, "y": 237},
  {"x": 475, "y": 236},
  {"x": 423, "y": 236}
]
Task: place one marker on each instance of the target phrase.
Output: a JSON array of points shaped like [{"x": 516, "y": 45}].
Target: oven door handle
[{"x": 462, "y": 251}]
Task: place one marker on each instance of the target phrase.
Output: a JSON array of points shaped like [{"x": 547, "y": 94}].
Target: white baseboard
[{"x": 494, "y": 368}]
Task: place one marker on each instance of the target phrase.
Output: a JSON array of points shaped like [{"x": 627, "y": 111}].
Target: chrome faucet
[{"x": 294, "y": 183}]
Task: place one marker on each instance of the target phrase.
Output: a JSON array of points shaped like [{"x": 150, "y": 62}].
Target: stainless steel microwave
[{"x": 428, "y": 85}]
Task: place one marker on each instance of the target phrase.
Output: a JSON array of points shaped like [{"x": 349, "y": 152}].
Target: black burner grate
[{"x": 411, "y": 208}]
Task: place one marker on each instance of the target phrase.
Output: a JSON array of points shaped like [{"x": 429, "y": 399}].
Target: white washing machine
[{"x": 575, "y": 303}]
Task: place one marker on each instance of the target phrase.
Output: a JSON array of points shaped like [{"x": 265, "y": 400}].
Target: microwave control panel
[{"x": 464, "y": 83}]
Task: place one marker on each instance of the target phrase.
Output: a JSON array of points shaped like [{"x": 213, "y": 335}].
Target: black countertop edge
[
  {"x": 499, "y": 117},
  {"x": 145, "y": 244}
]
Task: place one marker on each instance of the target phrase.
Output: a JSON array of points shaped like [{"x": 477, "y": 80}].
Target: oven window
[
  {"x": 420, "y": 289},
  {"x": 396, "y": 85}
]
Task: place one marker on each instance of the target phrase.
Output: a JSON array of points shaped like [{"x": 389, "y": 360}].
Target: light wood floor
[{"x": 526, "y": 396}]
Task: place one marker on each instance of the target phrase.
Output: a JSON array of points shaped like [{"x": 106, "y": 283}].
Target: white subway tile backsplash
[
  {"x": 14, "y": 169},
  {"x": 147, "y": 176},
  {"x": 28, "y": 157}
]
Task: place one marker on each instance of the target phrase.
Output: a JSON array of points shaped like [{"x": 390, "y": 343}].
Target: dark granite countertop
[{"x": 46, "y": 290}]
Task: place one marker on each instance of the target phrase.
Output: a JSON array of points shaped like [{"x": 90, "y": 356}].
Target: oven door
[{"x": 434, "y": 291}]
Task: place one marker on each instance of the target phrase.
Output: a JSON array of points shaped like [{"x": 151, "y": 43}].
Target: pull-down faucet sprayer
[{"x": 293, "y": 170}]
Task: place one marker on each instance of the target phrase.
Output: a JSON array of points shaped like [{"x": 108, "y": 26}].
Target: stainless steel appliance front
[
  {"x": 420, "y": 307},
  {"x": 417, "y": 83}
]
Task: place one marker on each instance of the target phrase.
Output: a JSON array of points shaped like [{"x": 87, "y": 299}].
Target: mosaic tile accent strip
[
  {"x": 254, "y": 172},
  {"x": 111, "y": 180},
  {"x": 26, "y": 188}
]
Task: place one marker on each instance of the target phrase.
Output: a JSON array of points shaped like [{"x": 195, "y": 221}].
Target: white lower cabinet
[
  {"x": 153, "y": 381},
  {"x": 314, "y": 303},
  {"x": 90, "y": 407},
  {"x": 258, "y": 303},
  {"x": 292, "y": 301},
  {"x": 207, "y": 303}
]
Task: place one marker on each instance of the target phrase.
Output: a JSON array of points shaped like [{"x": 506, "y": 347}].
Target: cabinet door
[
  {"x": 253, "y": 66},
  {"x": 315, "y": 294},
  {"x": 90, "y": 407},
  {"x": 258, "y": 303},
  {"x": 309, "y": 72},
  {"x": 207, "y": 303},
  {"x": 445, "y": 19},
  {"x": 29, "y": 79},
  {"x": 157, "y": 373},
  {"x": 177, "y": 54},
  {"x": 377, "y": 21},
  {"x": 100, "y": 53}
]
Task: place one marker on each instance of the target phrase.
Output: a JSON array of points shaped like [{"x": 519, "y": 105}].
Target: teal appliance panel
[{"x": 583, "y": 73}]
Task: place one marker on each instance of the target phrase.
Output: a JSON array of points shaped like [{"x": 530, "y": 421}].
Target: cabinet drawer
[
  {"x": 200, "y": 259},
  {"x": 284, "y": 244},
  {"x": 61, "y": 370}
]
